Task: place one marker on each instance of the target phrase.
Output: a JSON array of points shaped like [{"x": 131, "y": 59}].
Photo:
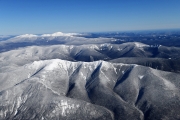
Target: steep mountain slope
[
  {"x": 171, "y": 65},
  {"x": 58, "y": 89}
]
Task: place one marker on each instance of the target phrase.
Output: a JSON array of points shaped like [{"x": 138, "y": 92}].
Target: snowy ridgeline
[
  {"x": 58, "y": 37},
  {"x": 59, "y": 89}
]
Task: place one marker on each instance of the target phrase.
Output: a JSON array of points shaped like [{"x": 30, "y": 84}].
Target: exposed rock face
[{"x": 58, "y": 89}]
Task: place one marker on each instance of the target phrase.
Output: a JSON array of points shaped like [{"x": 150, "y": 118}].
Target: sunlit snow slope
[{"x": 93, "y": 81}]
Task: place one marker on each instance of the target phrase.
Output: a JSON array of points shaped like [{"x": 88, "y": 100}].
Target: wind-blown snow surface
[{"x": 59, "y": 89}]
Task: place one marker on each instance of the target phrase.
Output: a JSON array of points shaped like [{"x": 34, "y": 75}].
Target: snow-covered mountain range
[{"x": 65, "y": 76}]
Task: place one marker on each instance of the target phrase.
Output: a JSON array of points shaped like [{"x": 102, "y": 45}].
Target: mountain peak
[
  {"x": 26, "y": 35},
  {"x": 59, "y": 34}
]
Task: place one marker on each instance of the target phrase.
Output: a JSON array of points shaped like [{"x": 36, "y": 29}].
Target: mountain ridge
[
  {"x": 95, "y": 80},
  {"x": 162, "y": 58},
  {"x": 72, "y": 76}
]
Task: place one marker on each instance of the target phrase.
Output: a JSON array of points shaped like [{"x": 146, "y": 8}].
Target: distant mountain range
[{"x": 70, "y": 76}]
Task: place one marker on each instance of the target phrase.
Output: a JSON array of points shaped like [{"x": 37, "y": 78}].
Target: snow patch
[
  {"x": 84, "y": 77},
  {"x": 115, "y": 70},
  {"x": 65, "y": 107},
  {"x": 169, "y": 85},
  {"x": 93, "y": 47},
  {"x": 137, "y": 44},
  {"x": 140, "y": 76},
  {"x": 51, "y": 66},
  {"x": 29, "y": 75},
  {"x": 105, "y": 76},
  {"x": 71, "y": 47}
]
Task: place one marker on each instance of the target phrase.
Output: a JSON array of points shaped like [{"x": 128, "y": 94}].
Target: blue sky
[{"x": 48, "y": 16}]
